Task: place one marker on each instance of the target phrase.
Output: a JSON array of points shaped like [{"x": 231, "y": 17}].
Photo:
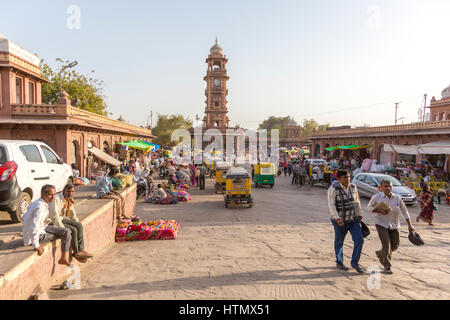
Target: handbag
[{"x": 365, "y": 230}]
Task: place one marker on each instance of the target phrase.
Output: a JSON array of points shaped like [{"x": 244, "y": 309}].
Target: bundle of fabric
[
  {"x": 117, "y": 183},
  {"x": 78, "y": 181},
  {"x": 121, "y": 231},
  {"x": 183, "y": 196},
  {"x": 167, "y": 200},
  {"x": 127, "y": 178},
  {"x": 152, "y": 230}
]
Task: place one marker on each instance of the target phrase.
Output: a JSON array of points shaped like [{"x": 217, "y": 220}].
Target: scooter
[
  {"x": 163, "y": 172},
  {"x": 142, "y": 188}
]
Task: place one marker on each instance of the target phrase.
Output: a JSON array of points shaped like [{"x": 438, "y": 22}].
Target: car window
[
  {"x": 3, "y": 157},
  {"x": 31, "y": 153},
  {"x": 394, "y": 181},
  {"x": 49, "y": 155},
  {"x": 360, "y": 178},
  {"x": 371, "y": 182}
]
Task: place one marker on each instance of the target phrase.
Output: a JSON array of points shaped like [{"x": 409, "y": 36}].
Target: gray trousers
[
  {"x": 77, "y": 234},
  {"x": 390, "y": 240},
  {"x": 53, "y": 233}
]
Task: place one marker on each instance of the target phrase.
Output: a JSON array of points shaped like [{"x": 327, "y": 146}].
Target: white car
[{"x": 26, "y": 166}]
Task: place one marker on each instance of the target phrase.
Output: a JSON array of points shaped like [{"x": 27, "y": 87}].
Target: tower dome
[
  {"x": 216, "y": 48},
  {"x": 446, "y": 93},
  {"x": 292, "y": 123}
]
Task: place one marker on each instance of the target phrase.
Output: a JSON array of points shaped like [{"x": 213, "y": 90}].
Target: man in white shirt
[
  {"x": 36, "y": 229},
  {"x": 387, "y": 222},
  {"x": 346, "y": 215}
]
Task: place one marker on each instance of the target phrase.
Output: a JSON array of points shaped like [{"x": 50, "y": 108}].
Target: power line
[{"x": 341, "y": 110}]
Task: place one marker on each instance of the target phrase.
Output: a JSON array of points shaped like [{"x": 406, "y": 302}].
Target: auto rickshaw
[
  {"x": 264, "y": 174},
  {"x": 319, "y": 174},
  {"x": 238, "y": 187},
  {"x": 221, "y": 177}
]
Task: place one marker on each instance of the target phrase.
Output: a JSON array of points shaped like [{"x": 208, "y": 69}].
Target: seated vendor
[{"x": 159, "y": 193}]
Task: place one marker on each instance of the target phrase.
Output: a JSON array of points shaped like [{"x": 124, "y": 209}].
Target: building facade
[
  {"x": 440, "y": 109},
  {"x": 68, "y": 130}
]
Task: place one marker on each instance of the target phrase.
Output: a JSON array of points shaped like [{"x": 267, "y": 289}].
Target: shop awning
[
  {"x": 154, "y": 146},
  {"x": 104, "y": 156},
  {"x": 401, "y": 149},
  {"x": 136, "y": 145},
  {"x": 438, "y": 147},
  {"x": 349, "y": 147}
]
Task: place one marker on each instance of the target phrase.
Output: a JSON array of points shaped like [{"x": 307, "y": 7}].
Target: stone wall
[{"x": 28, "y": 273}]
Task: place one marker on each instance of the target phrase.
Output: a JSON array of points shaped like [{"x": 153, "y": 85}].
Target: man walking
[
  {"x": 295, "y": 173},
  {"x": 387, "y": 222},
  {"x": 36, "y": 228},
  {"x": 202, "y": 177},
  {"x": 346, "y": 214}
]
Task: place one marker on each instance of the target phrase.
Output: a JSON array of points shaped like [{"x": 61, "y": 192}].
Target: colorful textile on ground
[{"x": 152, "y": 230}]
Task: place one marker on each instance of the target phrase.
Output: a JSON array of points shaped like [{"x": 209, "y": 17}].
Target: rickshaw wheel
[
  {"x": 226, "y": 204},
  {"x": 271, "y": 186}
]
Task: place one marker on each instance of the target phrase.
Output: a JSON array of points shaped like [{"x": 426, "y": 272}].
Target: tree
[
  {"x": 311, "y": 125},
  {"x": 166, "y": 125},
  {"x": 275, "y": 123},
  {"x": 85, "y": 92}
]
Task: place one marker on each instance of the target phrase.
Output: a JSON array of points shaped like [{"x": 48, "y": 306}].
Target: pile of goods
[
  {"x": 81, "y": 181},
  {"x": 175, "y": 194},
  {"x": 121, "y": 181},
  {"x": 136, "y": 229}
]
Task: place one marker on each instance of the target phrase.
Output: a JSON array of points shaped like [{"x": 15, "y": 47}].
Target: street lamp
[{"x": 70, "y": 65}]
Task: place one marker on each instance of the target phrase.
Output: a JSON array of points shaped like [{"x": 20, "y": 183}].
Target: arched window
[{"x": 443, "y": 116}]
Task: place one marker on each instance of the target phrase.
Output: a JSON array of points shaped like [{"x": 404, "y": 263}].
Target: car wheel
[{"x": 22, "y": 206}]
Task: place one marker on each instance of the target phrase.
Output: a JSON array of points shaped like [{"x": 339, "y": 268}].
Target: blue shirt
[{"x": 104, "y": 186}]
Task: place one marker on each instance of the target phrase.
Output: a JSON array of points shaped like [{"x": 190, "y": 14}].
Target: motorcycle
[
  {"x": 163, "y": 172},
  {"x": 141, "y": 189}
]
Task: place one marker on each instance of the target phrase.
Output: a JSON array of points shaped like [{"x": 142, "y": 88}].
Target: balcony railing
[
  {"x": 66, "y": 112},
  {"x": 386, "y": 129},
  {"x": 33, "y": 109}
]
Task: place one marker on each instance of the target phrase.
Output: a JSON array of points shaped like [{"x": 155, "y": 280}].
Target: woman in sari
[
  {"x": 193, "y": 177},
  {"x": 426, "y": 205}
]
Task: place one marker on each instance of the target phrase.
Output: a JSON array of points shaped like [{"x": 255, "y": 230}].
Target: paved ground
[{"x": 282, "y": 248}]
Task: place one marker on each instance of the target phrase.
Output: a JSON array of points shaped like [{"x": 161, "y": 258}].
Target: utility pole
[
  {"x": 396, "y": 108},
  {"x": 196, "y": 119},
  {"x": 151, "y": 119}
]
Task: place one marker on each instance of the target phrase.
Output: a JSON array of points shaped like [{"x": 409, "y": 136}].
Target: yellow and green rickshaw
[{"x": 264, "y": 174}]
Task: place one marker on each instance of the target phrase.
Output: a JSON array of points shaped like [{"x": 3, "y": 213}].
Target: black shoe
[
  {"x": 388, "y": 271},
  {"x": 341, "y": 266},
  {"x": 359, "y": 269}
]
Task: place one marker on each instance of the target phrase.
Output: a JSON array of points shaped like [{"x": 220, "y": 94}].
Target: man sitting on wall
[{"x": 36, "y": 228}]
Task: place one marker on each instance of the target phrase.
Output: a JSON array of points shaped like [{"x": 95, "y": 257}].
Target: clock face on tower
[{"x": 217, "y": 82}]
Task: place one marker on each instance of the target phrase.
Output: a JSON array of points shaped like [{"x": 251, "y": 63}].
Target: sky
[{"x": 341, "y": 62}]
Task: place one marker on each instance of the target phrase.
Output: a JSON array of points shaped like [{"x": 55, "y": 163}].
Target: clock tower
[{"x": 216, "y": 90}]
